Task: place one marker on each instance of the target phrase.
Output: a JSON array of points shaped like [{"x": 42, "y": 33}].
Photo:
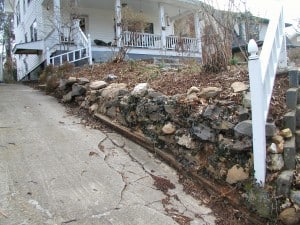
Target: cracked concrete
[{"x": 54, "y": 170}]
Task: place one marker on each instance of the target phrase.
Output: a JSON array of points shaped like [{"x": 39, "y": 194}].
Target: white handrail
[
  {"x": 71, "y": 57},
  {"x": 262, "y": 71}
]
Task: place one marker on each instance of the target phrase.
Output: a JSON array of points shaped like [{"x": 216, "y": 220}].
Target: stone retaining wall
[{"x": 207, "y": 135}]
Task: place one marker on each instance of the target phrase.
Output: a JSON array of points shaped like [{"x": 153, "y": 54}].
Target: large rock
[
  {"x": 284, "y": 182},
  {"x": 78, "y": 90},
  {"x": 114, "y": 90},
  {"x": 245, "y": 128},
  {"x": 209, "y": 92},
  {"x": 83, "y": 80},
  {"x": 260, "y": 200},
  {"x": 236, "y": 174},
  {"x": 99, "y": 84},
  {"x": 239, "y": 87},
  {"x": 140, "y": 90},
  {"x": 290, "y": 216}
]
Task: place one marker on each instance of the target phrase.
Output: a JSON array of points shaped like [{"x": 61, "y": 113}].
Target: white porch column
[
  {"x": 198, "y": 31},
  {"x": 57, "y": 16},
  {"x": 163, "y": 26},
  {"x": 118, "y": 21}
]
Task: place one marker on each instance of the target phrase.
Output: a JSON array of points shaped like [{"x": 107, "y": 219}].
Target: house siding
[{"x": 32, "y": 12}]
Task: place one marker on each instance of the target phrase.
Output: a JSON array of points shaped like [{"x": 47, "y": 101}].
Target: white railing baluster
[{"x": 262, "y": 72}]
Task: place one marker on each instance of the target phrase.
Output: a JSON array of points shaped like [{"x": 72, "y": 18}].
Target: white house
[{"x": 55, "y": 31}]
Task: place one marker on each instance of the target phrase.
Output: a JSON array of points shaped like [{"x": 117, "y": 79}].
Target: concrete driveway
[{"x": 54, "y": 170}]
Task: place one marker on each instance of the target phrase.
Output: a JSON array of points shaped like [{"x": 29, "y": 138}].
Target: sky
[{"x": 263, "y": 8}]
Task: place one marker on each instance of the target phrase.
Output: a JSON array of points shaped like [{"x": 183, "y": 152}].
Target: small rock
[
  {"x": 204, "y": 133},
  {"x": 244, "y": 128},
  {"x": 286, "y": 133},
  {"x": 277, "y": 139},
  {"x": 140, "y": 90},
  {"x": 290, "y": 216},
  {"x": 275, "y": 162},
  {"x": 193, "y": 90},
  {"x": 93, "y": 108},
  {"x": 67, "y": 97},
  {"x": 96, "y": 85},
  {"x": 236, "y": 174},
  {"x": 247, "y": 100},
  {"x": 210, "y": 92},
  {"x": 186, "y": 141},
  {"x": 295, "y": 197},
  {"x": 239, "y": 87},
  {"x": 169, "y": 128},
  {"x": 274, "y": 149},
  {"x": 111, "y": 77}
]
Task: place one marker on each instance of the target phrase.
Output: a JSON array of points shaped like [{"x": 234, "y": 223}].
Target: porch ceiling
[
  {"x": 109, "y": 4},
  {"x": 29, "y": 48}
]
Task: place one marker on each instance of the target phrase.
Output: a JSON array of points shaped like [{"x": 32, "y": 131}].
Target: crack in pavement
[{"x": 170, "y": 211}]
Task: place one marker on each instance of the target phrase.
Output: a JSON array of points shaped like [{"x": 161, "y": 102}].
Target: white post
[
  {"x": 198, "y": 31},
  {"x": 57, "y": 17},
  {"x": 258, "y": 118},
  {"x": 163, "y": 26},
  {"x": 90, "y": 50},
  {"x": 48, "y": 56},
  {"x": 282, "y": 64},
  {"x": 118, "y": 20},
  {"x": 1, "y": 67},
  {"x": 75, "y": 32}
]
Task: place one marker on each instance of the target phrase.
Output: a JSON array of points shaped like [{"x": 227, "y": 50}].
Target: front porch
[{"x": 108, "y": 35}]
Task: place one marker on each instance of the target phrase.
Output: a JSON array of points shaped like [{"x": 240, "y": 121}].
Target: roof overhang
[{"x": 33, "y": 48}]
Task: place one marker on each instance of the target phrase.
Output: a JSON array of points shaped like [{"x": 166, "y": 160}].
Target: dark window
[
  {"x": 26, "y": 38},
  {"x": 24, "y": 7},
  {"x": 149, "y": 28},
  {"x": 18, "y": 15},
  {"x": 33, "y": 31}
]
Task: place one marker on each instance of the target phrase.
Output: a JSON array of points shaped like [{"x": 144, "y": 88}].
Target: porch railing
[
  {"x": 262, "y": 71},
  {"x": 154, "y": 41},
  {"x": 141, "y": 40},
  {"x": 184, "y": 44}
]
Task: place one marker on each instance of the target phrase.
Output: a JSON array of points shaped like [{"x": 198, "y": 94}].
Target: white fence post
[
  {"x": 90, "y": 50},
  {"x": 258, "y": 118}
]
